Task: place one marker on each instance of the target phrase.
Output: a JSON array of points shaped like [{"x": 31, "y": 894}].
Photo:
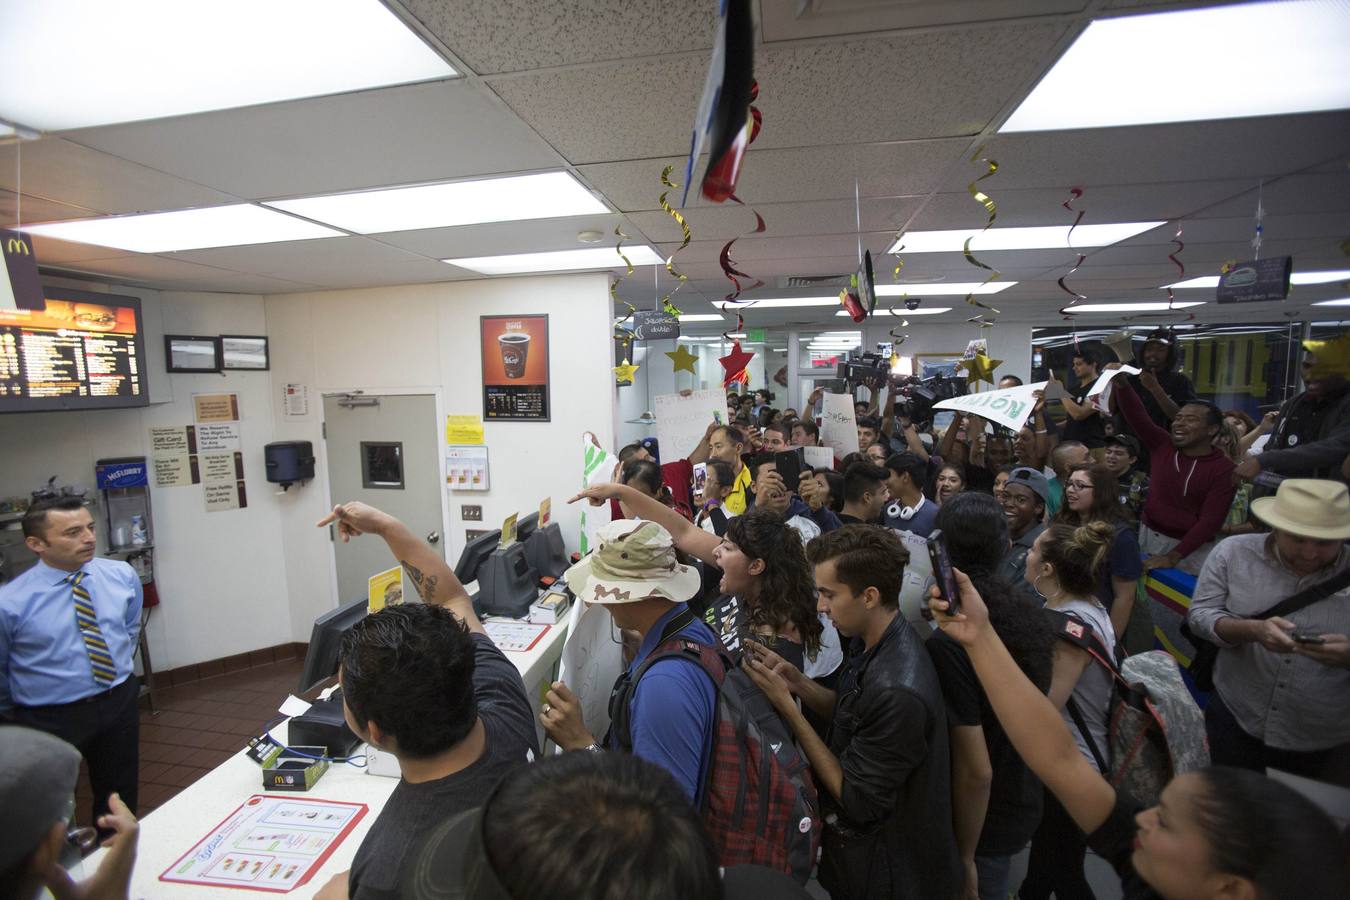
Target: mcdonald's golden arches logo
[{"x": 17, "y": 245}]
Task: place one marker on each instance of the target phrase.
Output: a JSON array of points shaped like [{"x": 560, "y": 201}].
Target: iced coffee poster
[{"x": 515, "y": 368}]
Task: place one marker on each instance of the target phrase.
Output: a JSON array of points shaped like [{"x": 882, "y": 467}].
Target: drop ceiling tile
[
  {"x": 66, "y": 172},
  {"x": 1201, "y": 259},
  {"x": 496, "y": 238},
  {"x": 784, "y": 20},
  {"x": 1149, "y": 154},
  {"x": 52, "y": 251},
  {"x": 780, "y": 219},
  {"x": 414, "y": 133},
  {"x": 1108, "y": 203},
  {"x": 167, "y": 274},
  {"x": 883, "y": 89},
  {"x": 494, "y": 36},
  {"x": 1304, "y": 193},
  {"x": 36, "y": 209},
  {"x": 330, "y": 262}
]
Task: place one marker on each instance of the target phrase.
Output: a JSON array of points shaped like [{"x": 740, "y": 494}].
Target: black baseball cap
[{"x": 1128, "y": 441}]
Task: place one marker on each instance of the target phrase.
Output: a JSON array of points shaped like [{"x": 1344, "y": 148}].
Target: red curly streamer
[
  {"x": 724, "y": 259},
  {"x": 1074, "y": 194}
]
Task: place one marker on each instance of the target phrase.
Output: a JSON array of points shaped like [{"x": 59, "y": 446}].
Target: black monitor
[
  {"x": 321, "y": 660},
  {"x": 526, "y": 526},
  {"x": 475, "y": 552}
]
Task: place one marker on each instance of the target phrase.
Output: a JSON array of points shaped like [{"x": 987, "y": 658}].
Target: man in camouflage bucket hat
[{"x": 634, "y": 572}]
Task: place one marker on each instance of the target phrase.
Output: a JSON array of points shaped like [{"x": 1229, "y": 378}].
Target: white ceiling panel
[
  {"x": 1237, "y": 148},
  {"x": 332, "y": 262},
  {"x": 814, "y": 94},
  {"x": 494, "y": 36},
  {"x": 780, "y": 219},
  {"x": 36, "y": 209},
  {"x": 1201, "y": 259},
  {"x": 174, "y": 274},
  {"x": 61, "y": 170},
  {"x": 52, "y": 251},
  {"x": 785, "y": 20},
  {"x": 1123, "y": 203},
  {"x": 1321, "y": 192},
  {"x": 415, "y": 133},
  {"x": 496, "y": 238}
]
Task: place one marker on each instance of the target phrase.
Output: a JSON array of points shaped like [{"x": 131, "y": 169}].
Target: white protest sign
[
  {"x": 818, "y": 457},
  {"x": 591, "y": 661},
  {"x": 839, "y": 425},
  {"x": 682, "y": 421},
  {"x": 1099, "y": 395},
  {"x": 1009, "y": 407}
]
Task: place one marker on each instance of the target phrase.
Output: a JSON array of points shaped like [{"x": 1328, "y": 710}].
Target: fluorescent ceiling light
[
  {"x": 186, "y": 229},
  {"x": 1212, "y": 281},
  {"x": 1134, "y": 307},
  {"x": 1034, "y": 237},
  {"x": 702, "y": 317},
  {"x": 124, "y": 62},
  {"x": 786, "y": 302},
  {"x": 544, "y": 196},
  {"x": 954, "y": 289},
  {"x": 1111, "y": 76},
  {"x": 921, "y": 311},
  {"x": 558, "y": 260},
  {"x": 1341, "y": 301}
]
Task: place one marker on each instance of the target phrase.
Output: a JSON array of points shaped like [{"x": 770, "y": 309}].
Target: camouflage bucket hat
[{"x": 632, "y": 560}]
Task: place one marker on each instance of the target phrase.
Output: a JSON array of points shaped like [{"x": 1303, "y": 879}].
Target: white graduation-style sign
[
  {"x": 681, "y": 421},
  {"x": 1009, "y": 407},
  {"x": 1099, "y": 395},
  {"x": 839, "y": 425}
]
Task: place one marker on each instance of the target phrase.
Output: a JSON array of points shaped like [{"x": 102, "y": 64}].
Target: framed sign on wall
[{"x": 515, "y": 368}]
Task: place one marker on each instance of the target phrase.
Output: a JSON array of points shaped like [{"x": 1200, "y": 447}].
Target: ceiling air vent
[{"x": 814, "y": 281}]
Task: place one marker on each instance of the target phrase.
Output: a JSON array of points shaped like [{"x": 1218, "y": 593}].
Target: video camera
[
  {"x": 867, "y": 367},
  {"x": 915, "y": 396}
]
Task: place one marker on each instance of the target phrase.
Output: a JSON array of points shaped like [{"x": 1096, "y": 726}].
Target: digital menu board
[{"x": 82, "y": 351}]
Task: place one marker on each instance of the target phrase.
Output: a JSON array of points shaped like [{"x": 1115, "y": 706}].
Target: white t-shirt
[{"x": 1092, "y": 693}]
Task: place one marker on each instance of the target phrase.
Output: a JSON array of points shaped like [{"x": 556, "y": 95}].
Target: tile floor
[{"x": 198, "y": 726}]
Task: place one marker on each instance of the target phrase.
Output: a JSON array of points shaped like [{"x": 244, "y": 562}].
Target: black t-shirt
[
  {"x": 1113, "y": 841},
  {"x": 1090, "y": 431},
  {"x": 1015, "y": 793},
  {"x": 412, "y": 809},
  {"x": 729, "y": 618}
]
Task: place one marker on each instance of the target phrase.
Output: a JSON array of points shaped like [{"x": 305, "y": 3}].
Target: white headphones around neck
[{"x": 904, "y": 513}]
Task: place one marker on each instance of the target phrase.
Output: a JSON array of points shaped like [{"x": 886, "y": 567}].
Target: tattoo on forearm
[{"x": 425, "y": 586}]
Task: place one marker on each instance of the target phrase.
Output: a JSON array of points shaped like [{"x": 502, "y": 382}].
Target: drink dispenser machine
[{"x": 125, "y": 486}]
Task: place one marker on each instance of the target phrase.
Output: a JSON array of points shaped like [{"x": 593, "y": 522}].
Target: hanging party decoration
[
  {"x": 620, "y": 333},
  {"x": 991, "y": 207},
  {"x": 733, "y": 274},
  {"x": 624, "y": 372},
  {"x": 734, "y": 364},
  {"x": 720, "y": 119},
  {"x": 683, "y": 359},
  {"x": 675, "y": 214},
  {"x": 1075, "y": 297},
  {"x": 979, "y": 368}
]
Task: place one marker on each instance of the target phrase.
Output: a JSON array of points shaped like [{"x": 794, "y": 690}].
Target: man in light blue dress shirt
[{"x": 73, "y": 678}]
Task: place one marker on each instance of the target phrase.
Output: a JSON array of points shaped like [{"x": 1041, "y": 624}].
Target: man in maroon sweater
[{"x": 1190, "y": 482}]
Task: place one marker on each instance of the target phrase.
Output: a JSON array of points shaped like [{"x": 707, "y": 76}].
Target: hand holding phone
[
  {"x": 1307, "y": 637},
  {"x": 942, "y": 571}
]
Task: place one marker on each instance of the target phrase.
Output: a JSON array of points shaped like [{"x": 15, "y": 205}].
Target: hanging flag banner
[{"x": 1009, "y": 407}]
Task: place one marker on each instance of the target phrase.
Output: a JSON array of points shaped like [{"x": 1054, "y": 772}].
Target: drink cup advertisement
[{"x": 515, "y": 368}]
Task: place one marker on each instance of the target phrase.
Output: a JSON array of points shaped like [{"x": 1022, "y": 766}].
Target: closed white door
[{"x": 382, "y": 450}]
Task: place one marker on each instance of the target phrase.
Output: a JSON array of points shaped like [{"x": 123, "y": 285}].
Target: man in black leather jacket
[{"x": 883, "y": 767}]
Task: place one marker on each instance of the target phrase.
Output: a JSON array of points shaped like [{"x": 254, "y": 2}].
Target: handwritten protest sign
[
  {"x": 1009, "y": 407},
  {"x": 682, "y": 421},
  {"x": 838, "y": 425}
]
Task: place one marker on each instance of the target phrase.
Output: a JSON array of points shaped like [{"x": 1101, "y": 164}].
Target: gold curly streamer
[
  {"x": 669, "y": 307},
  {"x": 620, "y": 333},
  {"x": 992, "y": 208}
]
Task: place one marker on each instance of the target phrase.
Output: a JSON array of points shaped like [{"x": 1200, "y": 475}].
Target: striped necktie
[{"x": 99, "y": 659}]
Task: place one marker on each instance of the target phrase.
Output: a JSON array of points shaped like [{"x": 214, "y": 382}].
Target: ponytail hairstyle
[
  {"x": 786, "y": 588},
  {"x": 1271, "y": 835},
  {"x": 1078, "y": 554}
]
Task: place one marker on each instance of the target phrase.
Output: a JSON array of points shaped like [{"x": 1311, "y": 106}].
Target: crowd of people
[{"x": 910, "y": 758}]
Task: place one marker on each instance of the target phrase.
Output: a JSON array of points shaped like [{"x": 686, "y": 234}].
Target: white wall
[
  {"x": 220, "y": 575},
  {"x": 427, "y": 337}
]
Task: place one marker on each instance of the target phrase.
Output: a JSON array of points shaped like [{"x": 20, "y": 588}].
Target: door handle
[{"x": 434, "y": 537}]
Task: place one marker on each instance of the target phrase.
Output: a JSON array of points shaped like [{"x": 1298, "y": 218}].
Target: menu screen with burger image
[
  {"x": 80, "y": 351},
  {"x": 515, "y": 368}
]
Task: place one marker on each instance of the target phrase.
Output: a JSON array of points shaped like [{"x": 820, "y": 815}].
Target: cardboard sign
[
  {"x": 1257, "y": 281},
  {"x": 1099, "y": 395},
  {"x": 839, "y": 425},
  {"x": 1010, "y": 407},
  {"x": 682, "y": 421}
]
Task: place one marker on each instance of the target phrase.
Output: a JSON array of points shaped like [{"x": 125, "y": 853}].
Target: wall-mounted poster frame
[
  {"x": 245, "y": 351},
  {"x": 191, "y": 353},
  {"x": 515, "y": 368}
]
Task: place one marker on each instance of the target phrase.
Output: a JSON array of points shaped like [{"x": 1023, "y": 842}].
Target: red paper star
[{"x": 734, "y": 363}]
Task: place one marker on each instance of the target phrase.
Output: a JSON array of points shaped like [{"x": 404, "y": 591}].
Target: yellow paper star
[
  {"x": 682, "y": 359},
  {"x": 979, "y": 368},
  {"x": 625, "y": 372},
  {"x": 1333, "y": 358}
]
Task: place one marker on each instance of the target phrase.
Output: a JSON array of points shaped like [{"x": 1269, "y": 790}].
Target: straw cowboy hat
[
  {"x": 633, "y": 560},
  {"x": 1307, "y": 507}
]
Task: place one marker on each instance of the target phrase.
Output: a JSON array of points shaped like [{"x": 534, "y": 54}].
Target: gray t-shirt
[
  {"x": 1092, "y": 693},
  {"x": 413, "y": 809}
]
